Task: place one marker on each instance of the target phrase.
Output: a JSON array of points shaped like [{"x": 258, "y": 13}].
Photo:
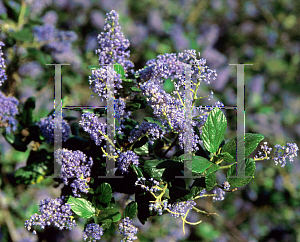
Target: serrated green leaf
[
  {"x": 143, "y": 150},
  {"x": 135, "y": 89},
  {"x": 163, "y": 169},
  {"x": 226, "y": 157},
  {"x": 249, "y": 171},
  {"x": 119, "y": 69},
  {"x": 152, "y": 120},
  {"x": 93, "y": 67},
  {"x": 109, "y": 213},
  {"x": 210, "y": 181},
  {"x": 131, "y": 210},
  {"x": 81, "y": 207},
  {"x": 214, "y": 130},
  {"x": 106, "y": 223},
  {"x": 15, "y": 141},
  {"x": 212, "y": 168},
  {"x": 138, "y": 171},
  {"x": 198, "y": 164},
  {"x": 105, "y": 192},
  {"x": 251, "y": 142},
  {"x": 24, "y": 35}
]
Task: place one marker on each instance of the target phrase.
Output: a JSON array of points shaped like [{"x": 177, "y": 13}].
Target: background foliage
[{"x": 265, "y": 33}]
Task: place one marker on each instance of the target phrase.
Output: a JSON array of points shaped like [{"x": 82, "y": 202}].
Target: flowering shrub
[{"x": 141, "y": 151}]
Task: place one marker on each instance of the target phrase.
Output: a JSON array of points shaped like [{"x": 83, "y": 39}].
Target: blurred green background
[{"x": 263, "y": 33}]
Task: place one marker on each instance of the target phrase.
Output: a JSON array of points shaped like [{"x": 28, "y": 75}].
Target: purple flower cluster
[
  {"x": 168, "y": 110},
  {"x": 94, "y": 127},
  {"x": 53, "y": 211},
  {"x": 47, "y": 125},
  {"x": 172, "y": 66},
  {"x": 141, "y": 182},
  {"x": 37, "y": 6},
  {"x": 127, "y": 229},
  {"x": 153, "y": 130},
  {"x": 3, "y": 76},
  {"x": 112, "y": 43},
  {"x": 32, "y": 69},
  {"x": 290, "y": 151},
  {"x": 226, "y": 185},
  {"x": 57, "y": 41},
  {"x": 74, "y": 165},
  {"x": 50, "y": 18},
  {"x": 263, "y": 155},
  {"x": 92, "y": 231},
  {"x": 8, "y": 111},
  {"x": 203, "y": 192},
  {"x": 125, "y": 159},
  {"x": 112, "y": 49},
  {"x": 181, "y": 208},
  {"x": 99, "y": 79},
  {"x": 158, "y": 208},
  {"x": 220, "y": 194},
  {"x": 120, "y": 113}
]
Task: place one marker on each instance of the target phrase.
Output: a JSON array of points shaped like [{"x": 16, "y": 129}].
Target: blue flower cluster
[
  {"x": 32, "y": 69},
  {"x": 112, "y": 43},
  {"x": 141, "y": 182},
  {"x": 120, "y": 113},
  {"x": 226, "y": 185},
  {"x": 53, "y": 211},
  {"x": 158, "y": 208},
  {"x": 153, "y": 130},
  {"x": 57, "y": 41},
  {"x": 47, "y": 125},
  {"x": 127, "y": 229},
  {"x": 168, "y": 110},
  {"x": 112, "y": 49},
  {"x": 220, "y": 194},
  {"x": 74, "y": 165},
  {"x": 125, "y": 159},
  {"x": 290, "y": 151},
  {"x": 8, "y": 111},
  {"x": 173, "y": 66},
  {"x": 3, "y": 76},
  {"x": 181, "y": 208},
  {"x": 92, "y": 231},
  {"x": 91, "y": 124}
]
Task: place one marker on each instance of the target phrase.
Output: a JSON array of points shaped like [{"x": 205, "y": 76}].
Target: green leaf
[
  {"x": 210, "y": 181},
  {"x": 226, "y": 157},
  {"x": 24, "y": 35},
  {"x": 251, "y": 142},
  {"x": 138, "y": 171},
  {"x": 143, "y": 150},
  {"x": 81, "y": 207},
  {"x": 119, "y": 69},
  {"x": 105, "y": 192},
  {"x": 135, "y": 89},
  {"x": 179, "y": 194},
  {"x": 198, "y": 164},
  {"x": 109, "y": 213},
  {"x": 249, "y": 171},
  {"x": 164, "y": 169},
  {"x": 130, "y": 210},
  {"x": 29, "y": 106},
  {"x": 212, "y": 168},
  {"x": 106, "y": 223},
  {"x": 93, "y": 67},
  {"x": 214, "y": 130},
  {"x": 132, "y": 106},
  {"x": 15, "y": 141},
  {"x": 152, "y": 120}
]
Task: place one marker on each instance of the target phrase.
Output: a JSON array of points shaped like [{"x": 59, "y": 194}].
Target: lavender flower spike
[
  {"x": 8, "y": 111},
  {"x": 3, "y": 76}
]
